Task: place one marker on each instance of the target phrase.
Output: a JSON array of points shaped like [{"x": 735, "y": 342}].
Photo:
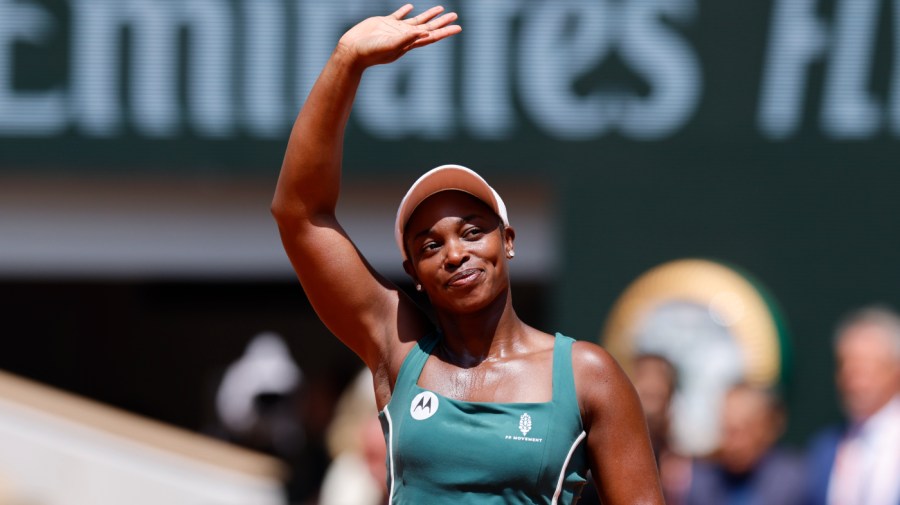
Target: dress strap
[
  {"x": 564, "y": 394},
  {"x": 415, "y": 361}
]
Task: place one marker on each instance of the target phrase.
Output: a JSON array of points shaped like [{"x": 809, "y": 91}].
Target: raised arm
[
  {"x": 619, "y": 450},
  {"x": 357, "y": 305}
]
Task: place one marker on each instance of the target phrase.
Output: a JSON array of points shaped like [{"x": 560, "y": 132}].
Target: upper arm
[
  {"x": 618, "y": 442},
  {"x": 364, "y": 310}
]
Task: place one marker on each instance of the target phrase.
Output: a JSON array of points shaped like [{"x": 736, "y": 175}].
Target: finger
[
  {"x": 441, "y": 22},
  {"x": 402, "y": 11},
  {"x": 409, "y": 39},
  {"x": 426, "y": 16},
  {"x": 434, "y": 36}
]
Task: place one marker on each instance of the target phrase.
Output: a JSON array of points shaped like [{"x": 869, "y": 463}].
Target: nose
[{"x": 456, "y": 254}]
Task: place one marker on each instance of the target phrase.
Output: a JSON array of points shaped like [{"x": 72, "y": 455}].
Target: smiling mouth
[{"x": 464, "y": 278}]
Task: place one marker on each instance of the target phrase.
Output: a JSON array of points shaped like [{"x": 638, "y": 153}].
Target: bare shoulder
[
  {"x": 591, "y": 360},
  {"x": 600, "y": 382}
]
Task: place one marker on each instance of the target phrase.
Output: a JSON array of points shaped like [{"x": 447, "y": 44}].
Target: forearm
[
  {"x": 311, "y": 172},
  {"x": 309, "y": 182}
]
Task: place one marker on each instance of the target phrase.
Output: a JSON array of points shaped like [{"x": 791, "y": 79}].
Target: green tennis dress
[{"x": 446, "y": 451}]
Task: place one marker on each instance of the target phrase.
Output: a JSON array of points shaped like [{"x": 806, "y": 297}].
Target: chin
[
  {"x": 468, "y": 302},
  {"x": 466, "y": 306}
]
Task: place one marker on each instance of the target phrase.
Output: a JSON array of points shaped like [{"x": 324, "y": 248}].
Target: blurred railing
[{"x": 57, "y": 448}]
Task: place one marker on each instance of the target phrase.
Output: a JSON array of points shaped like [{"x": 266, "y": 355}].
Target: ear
[
  {"x": 509, "y": 237},
  {"x": 408, "y": 268}
]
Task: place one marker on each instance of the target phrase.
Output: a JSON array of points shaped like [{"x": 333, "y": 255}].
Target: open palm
[{"x": 383, "y": 39}]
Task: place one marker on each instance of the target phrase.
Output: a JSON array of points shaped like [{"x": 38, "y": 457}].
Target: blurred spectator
[
  {"x": 357, "y": 474},
  {"x": 655, "y": 379},
  {"x": 255, "y": 400},
  {"x": 859, "y": 463},
  {"x": 259, "y": 405},
  {"x": 748, "y": 468}
]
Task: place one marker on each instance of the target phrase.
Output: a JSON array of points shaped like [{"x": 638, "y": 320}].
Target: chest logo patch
[
  {"x": 423, "y": 406},
  {"x": 525, "y": 424}
]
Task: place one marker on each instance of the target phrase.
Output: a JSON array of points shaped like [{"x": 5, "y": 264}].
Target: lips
[{"x": 464, "y": 278}]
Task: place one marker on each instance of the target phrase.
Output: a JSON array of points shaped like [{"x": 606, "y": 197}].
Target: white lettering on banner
[
  {"x": 153, "y": 76},
  {"x": 668, "y": 64},
  {"x": 217, "y": 68},
  {"x": 319, "y": 26},
  {"x": 423, "y": 109},
  {"x": 264, "y": 58},
  {"x": 26, "y": 113},
  {"x": 487, "y": 101},
  {"x": 799, "y": 39},
  {"x": 848, "y": 110},
  {"x": 556, "y": 56},
  {"x": 211, "y": 39}
]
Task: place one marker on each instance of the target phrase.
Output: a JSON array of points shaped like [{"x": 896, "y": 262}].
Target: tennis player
[{"x": 476, "y": 406}]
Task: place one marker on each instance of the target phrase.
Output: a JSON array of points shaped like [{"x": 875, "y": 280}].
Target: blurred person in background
[
  {"x": 356, "y": 475},
  {"x": 655, "y": 379},
  {"x": 257, "y": 396},
  {"x": 259, "y": 404},
  {"x": 858, "y": 463},
  {"x": 748, "y": 468}
]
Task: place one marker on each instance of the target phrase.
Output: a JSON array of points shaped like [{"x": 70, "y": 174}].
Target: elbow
[
  {"x": 290, "y": 214},
  {"x": 292, "y": 210},
  {"x": 284, "y": 209},
  {"x": 286, "y": 216},
  {"x": 278, "y": 210}
]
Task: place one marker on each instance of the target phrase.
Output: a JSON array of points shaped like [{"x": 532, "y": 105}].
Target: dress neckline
[{"x": 429, "y": 347}]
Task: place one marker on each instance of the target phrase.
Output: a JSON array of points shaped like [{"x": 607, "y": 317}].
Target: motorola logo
[{"x": 423, "y": 406}]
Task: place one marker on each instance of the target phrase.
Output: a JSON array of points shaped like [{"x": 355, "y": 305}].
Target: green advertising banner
[
  {"x": 762, "y": 133},
  {"x": 199, "y": 85}
]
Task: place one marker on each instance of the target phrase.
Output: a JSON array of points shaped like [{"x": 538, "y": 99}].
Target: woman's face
[{"x": 457, "y": 251}]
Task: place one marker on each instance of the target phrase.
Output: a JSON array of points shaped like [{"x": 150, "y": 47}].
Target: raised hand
[{"x": 383, "y": 39}]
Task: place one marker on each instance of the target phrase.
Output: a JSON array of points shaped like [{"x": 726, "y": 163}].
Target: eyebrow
[{"x": 464, "y": 219}]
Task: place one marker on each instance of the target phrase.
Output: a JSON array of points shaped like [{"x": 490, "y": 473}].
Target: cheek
[
  {"x": 426, "y": 267},
  {"x": 492, "y": 248}
]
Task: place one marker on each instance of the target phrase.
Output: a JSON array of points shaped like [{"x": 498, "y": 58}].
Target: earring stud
[{"x": 418, "y": 287}]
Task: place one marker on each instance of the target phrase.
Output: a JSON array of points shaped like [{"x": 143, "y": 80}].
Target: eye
[
  {"x": 429, "y": 246},
  {"x": 472, "y": 232}
]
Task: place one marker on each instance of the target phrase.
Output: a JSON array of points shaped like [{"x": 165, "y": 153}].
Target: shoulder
[
  {"x": 599, "y": 380},
  {"x": 592, "y": 362}
]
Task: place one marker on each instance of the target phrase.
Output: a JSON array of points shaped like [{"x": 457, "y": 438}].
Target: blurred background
[{"x": 140, "y": 141}]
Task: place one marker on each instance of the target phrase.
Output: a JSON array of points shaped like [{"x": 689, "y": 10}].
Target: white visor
[{"x": 444, "y": 178}]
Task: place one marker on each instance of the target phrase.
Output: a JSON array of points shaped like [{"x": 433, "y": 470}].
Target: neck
[{"x": 491, "y": 333}]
